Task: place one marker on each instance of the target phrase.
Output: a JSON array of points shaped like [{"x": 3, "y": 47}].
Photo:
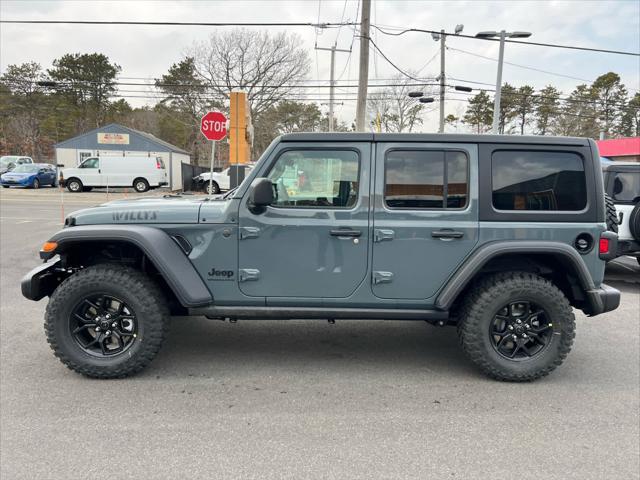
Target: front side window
[
  {"x": 538, "y": 180},
  {"x": 426, "y": 179},
  {"x": 90, "y": 163},
  {"x": 316, "y": 178},
  {"x": 626, "y": 186}
]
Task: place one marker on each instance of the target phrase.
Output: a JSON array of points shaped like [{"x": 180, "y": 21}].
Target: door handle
[
  {"x": 345, "y": 233},
  {"x": 447, "y": 233}
]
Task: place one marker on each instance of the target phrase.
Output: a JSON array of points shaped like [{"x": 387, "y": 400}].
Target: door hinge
[
  {"x": 249, "y": 232},
  {"x": 248, "y": 274},
  {"x": 382, "y": 277},
  {"x": 380, "y": 235}
]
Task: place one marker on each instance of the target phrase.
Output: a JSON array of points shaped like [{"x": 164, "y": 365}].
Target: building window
[
  {"x": 316, "y": 178},
  {"x": 538, "y": 180},
  {"x": 426, "y": 179}
]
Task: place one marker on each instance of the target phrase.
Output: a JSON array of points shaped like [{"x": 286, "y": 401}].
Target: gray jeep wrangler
[{"x": 499, "y": 236}]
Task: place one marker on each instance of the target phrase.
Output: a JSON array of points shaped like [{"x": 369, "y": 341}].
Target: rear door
[{"x": 425, "y": 218}]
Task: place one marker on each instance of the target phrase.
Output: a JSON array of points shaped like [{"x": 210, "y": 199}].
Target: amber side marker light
[{"x": 49, "y": 247}]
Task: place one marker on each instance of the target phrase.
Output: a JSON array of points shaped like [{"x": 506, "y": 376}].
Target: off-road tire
[
  {"x": 484, "y": 301},
  {"x": 215, "y": 188},
  {"x": 74, "y": 185},
  {"x": 634, "y": 222},
  {"x": 137, "y": 290},
  {"x": 611, "y": 214},
  {"x": 140, "y": 185}
]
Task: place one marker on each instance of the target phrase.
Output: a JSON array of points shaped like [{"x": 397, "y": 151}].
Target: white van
[{"x": 141, "y": 173}]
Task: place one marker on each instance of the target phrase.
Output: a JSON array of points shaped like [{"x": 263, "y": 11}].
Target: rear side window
[
  {"x": 426, "y": 179},
  {"x": 538, "y": 180}
]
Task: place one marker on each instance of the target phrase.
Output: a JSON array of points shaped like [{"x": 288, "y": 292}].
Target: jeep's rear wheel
[
  {"x": 516, "y": 326},
  {"x": 106, "y": 321}
]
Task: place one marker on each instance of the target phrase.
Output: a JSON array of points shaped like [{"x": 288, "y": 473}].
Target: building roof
[
  {"x": 142, "y": 140},
  {"x": 433, "y": 137},
  {"x": 619, "y": 147}
]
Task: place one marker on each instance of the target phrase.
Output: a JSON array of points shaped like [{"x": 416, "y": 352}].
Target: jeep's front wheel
[
  {"x": 106, "y": 321},
  {"x": 516, "y": 326}
]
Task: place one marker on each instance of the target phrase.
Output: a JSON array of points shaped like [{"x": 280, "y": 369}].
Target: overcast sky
[{"x": 148, "y": 51}]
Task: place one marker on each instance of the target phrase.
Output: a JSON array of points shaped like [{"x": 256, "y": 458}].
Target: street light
[{"x": 503, "y": 34}]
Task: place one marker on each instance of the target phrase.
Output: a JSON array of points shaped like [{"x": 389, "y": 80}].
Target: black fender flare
[
  {"x": 474, "y": 263},
  {"x": 164, "y": 252}
]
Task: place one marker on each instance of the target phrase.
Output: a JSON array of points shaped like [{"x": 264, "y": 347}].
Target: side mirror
[{"x": 260, "y": 195}]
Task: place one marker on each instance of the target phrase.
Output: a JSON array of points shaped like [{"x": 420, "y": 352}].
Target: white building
[{"x": 114, "y": 139}]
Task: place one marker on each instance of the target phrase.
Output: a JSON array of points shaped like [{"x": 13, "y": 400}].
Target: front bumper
[
  {"x": 603, "y": 299},
  {"x": 42, "y": 280}
]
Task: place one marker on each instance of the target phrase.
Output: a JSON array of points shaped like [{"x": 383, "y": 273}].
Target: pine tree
[
  {"x": 547, "y": 106},
  {"x": 479, "y": 114}
]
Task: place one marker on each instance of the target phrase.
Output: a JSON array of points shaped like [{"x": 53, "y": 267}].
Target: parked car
[
  {"x": 622, "y": 186},
  {"x": 221, "y": 180},
  {"x": 32, "y": 175},
  {"x": 499, "y": 236},
  {"x": 8, "y": 162},
  {"x": 139, "y": 172}
]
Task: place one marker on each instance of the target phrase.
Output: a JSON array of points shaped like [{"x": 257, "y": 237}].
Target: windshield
[
  {"x": 26, "y": 168},
  {"x": 6, "y": 160}
]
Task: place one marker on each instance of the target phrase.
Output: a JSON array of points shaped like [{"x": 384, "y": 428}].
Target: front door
[
  {"x": 90, "y": 172},
  {"x": 312, "y": 241},
  {"x": 425, "y": 216}
]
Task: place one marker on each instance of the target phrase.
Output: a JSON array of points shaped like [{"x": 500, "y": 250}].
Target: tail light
[
  {"x": 608, "y": 246},
  {"x": 158, "y": 164}
]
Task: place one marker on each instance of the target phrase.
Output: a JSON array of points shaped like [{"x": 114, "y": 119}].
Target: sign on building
[{"x": 113, "y": 138}]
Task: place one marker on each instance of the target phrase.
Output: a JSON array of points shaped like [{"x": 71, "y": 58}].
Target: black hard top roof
[{"x": 432, "y": 137}]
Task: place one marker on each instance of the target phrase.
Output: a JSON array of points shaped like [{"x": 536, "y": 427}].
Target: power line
[
  {"x": 181, "y": 24},
  {"x": 522, "y": 66},
  {"x": 309, "y": 24},
  {"x": 523, "y": 42}
]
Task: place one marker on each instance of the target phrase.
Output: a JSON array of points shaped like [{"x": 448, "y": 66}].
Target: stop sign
[{"x": 214, "y": 126}]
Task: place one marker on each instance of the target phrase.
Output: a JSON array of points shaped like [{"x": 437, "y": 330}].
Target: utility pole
[
  {"x": 363, "y": 76},
  {"x": 332, "y": 82},
  {"x": 496, "y": 101},
  {"x": 442, "y": 48},
  {"x": 503, "y": 34}
]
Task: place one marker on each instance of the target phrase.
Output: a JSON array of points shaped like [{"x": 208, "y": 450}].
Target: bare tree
[
  {"x": 268, "y": 67},
  {"x": 397, "y": 111}
]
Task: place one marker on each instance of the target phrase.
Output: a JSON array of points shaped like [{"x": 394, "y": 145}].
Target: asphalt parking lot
[{"x": 358, "y": 399}]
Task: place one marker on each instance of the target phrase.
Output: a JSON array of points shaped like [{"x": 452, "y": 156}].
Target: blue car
[{"x": 34, "y": 175}]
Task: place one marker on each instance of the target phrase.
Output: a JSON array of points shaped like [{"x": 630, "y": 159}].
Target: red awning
[{"x": 619, "y": 147}]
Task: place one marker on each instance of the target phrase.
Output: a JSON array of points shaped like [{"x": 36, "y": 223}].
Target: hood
[
  {"x": 167, "y": 209},
  {"x": 18, "y": 175}
]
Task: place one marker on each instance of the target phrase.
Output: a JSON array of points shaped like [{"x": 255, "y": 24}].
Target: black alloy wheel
[
  {"x": 520, "y": 330},
  {"x": 103, "y": 325}
]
